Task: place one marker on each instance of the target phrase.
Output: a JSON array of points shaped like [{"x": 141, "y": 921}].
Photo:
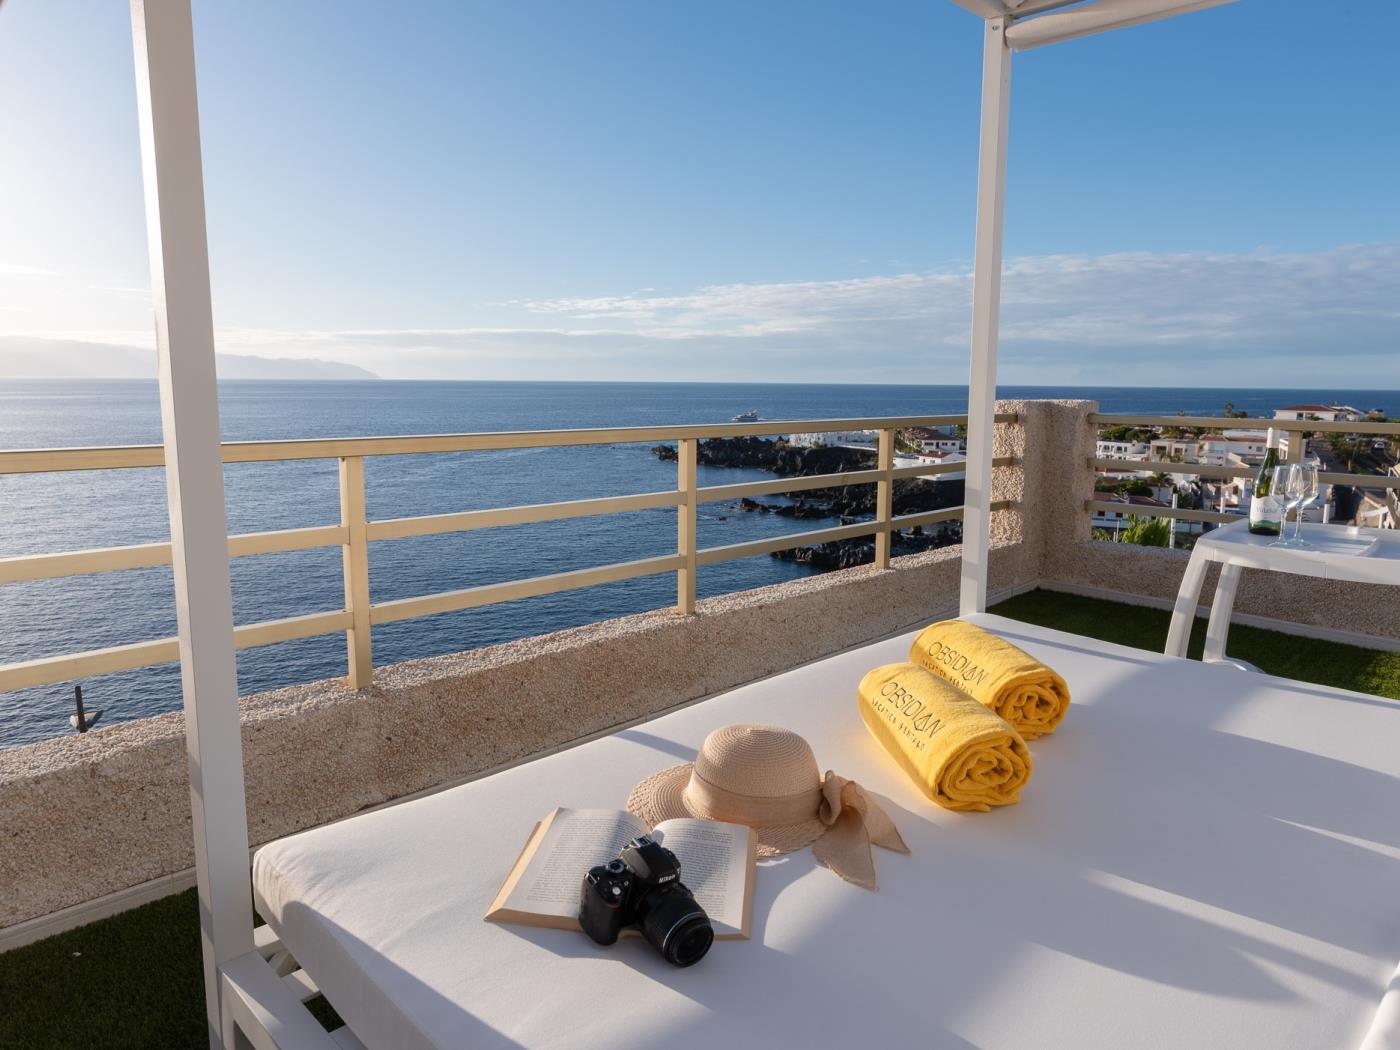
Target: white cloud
[
  {"x": 20, "y": 270},
  {"x": 1263, "y": 318}
]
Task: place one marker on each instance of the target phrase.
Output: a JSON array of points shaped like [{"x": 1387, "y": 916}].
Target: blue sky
[{"x": 724, "y": 191}]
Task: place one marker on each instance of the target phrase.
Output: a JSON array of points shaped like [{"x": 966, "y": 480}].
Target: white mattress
[{"x": 1203, "y": 858}]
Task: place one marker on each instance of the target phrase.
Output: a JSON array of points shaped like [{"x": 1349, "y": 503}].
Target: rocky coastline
[{"x": 849, "y": 503}]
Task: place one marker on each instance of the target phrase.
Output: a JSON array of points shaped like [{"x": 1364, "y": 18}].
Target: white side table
[{"x": 1336, "y": 552}]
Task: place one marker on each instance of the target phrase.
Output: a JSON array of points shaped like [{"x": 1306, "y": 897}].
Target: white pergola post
[
  {"x": 174, "y": 190},
  {"x": 986, "y": 305}
]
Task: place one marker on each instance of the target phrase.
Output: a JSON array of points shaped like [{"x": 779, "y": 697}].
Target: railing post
[
  {"x": 884, "y": 498},
  {"x": 355, "y": 558},
  {"x": 687, "y": 453}
]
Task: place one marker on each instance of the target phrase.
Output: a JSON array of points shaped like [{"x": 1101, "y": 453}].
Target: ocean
[{"x": 49, "y": 513}]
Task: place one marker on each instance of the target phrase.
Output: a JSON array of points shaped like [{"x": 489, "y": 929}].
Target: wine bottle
[{"x": 1265, "y": 508}]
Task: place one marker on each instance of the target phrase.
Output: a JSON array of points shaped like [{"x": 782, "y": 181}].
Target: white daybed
[{"x": 1203, "y": 858}]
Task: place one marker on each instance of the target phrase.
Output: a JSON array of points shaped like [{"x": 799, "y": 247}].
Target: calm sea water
[{"x": 57, "y": 512}]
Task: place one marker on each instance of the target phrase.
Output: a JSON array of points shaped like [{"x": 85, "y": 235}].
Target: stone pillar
[{"x": 1053, "y": 442}]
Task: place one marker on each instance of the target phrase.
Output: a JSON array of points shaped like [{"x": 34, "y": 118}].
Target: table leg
[
  {"x": 1218, "y": 629},
  {"x": 1184, "y": 612}
]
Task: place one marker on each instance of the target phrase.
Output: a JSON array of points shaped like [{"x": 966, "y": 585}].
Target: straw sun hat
[{"x": 767, "y": 777}]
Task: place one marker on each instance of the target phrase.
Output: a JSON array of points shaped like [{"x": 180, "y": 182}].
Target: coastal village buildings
[
  {"x": 1241, "y": 448},
  {"x": 853, "y": 438}
]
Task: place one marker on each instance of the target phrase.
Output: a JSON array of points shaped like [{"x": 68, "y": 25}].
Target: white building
[
  {"x": 934, "y": 459},
  {"x": 859, "y": 438},
  {"x": 1249, "y": 445},
  {"x": 1122, "y": 449},
  {"x": 929, "y": 439},
  {"x": 1326, "y": 413},
  {"x": 1184, "y": 449}
]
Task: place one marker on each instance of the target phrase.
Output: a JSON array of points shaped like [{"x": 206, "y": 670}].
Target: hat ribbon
[
  {"x": 712, "y": 802},
  {"x": 854, "y": 820}
]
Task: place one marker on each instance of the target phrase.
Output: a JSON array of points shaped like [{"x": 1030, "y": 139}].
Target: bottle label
[{"x": 1265, "y": 514}]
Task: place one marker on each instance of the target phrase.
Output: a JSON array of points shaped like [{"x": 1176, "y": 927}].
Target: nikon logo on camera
[{"x": 952, "y": 664}]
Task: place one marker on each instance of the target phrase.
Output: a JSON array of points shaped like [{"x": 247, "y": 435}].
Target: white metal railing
[{"x": 355, "y": 531}]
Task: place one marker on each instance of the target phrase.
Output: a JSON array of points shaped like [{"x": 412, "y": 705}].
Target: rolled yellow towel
[
  {"x": 1011, "y": 682},
  {"x": 961, "y": 754}
]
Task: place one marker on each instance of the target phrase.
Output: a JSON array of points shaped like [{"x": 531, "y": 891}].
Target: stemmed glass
[
  {"x": 1296, "y": 484},
  {"x": 1305, "y": 480}
]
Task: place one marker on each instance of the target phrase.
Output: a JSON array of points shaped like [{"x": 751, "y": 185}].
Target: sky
[{"x": 724, "y": 191}]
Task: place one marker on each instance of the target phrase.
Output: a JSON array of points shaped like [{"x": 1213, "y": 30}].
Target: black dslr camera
[{"x": 643, "y": 888}]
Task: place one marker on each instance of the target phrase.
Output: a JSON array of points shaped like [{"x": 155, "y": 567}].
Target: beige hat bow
[{"x": 854, "y": 820}]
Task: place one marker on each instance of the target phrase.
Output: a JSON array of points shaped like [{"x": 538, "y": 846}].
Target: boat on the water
[{"x": 751, "y": 416}]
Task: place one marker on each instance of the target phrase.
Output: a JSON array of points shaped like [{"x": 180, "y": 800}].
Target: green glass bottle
[{"x": 1265, "y": 508}]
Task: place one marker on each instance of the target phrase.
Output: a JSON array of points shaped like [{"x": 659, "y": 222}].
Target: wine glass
[
  {"x": 1304, "y": 480},
  {"x": 1287, "y": 490}
]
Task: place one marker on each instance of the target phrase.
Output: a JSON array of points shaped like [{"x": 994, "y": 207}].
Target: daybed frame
[{"x": 252, "y": 999}]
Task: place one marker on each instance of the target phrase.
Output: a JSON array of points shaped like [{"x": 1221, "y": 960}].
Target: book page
[
  {"x": 549, "y": 875},
  {"x": 717, "y": 865}
]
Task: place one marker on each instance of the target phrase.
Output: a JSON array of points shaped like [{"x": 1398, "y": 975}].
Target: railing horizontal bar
[
  {"x": 928, "y": 517},
  {"x": 433, "y": 524},
  {"x": 1162, "y": 466},
  {"x": 143, "y": 556},
  {"x": 51, "y": 669},
  {"x": 488, "y": 594},
  {"x": 76, "y": 563},
  {"x": 32, "y": 461},
  {"x": 1360, "y": 481},
  {"x": 923, "y": 470},
  {"x": 824, "y": 481},
  {"x": 714, "y": 555},
  {"x": 1207, "y": 470},
  {"x": 933, "y": 517},
  {"x": 247, "y": 543},
  {"x": 1160, "y": 512},
  {"x": 783, "y": 485},
  {"x": 250, "y": 635},
  {"x": 1221, "y": 423},
  {"x": 40, "y": 460}
]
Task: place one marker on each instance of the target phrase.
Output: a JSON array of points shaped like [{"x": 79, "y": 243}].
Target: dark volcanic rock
[
  {"x": 777, "y": 456},
  {"x": 732, "y": 452},
  {"x": 845, "y": 554},
  {"x": 911, "y": 496}
]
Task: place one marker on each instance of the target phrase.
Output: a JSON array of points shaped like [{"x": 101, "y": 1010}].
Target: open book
[{"x": 717, "y": 865}]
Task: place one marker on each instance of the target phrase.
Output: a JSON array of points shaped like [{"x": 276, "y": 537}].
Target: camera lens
[
  {"x": 678, "y": 928},
  {"x": 691, "y": 941}
]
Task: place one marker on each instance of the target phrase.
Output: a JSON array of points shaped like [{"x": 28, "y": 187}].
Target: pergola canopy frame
[
  {"x": 174, "y": 194},
  {"x": 1012, "y": 26}
]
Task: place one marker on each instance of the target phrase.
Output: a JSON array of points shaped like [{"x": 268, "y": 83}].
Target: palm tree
[{"x": 1147, "y": 532}]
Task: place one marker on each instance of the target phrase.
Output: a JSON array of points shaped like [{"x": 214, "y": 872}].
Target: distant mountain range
[{"x": 34, "y": 358}]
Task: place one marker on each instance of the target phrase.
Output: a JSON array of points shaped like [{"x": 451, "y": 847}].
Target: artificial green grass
[
  {"x": 1286, "y": 655},
  {"x": 132, "y": 980},
  {"x": 135, "y": 980}
]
